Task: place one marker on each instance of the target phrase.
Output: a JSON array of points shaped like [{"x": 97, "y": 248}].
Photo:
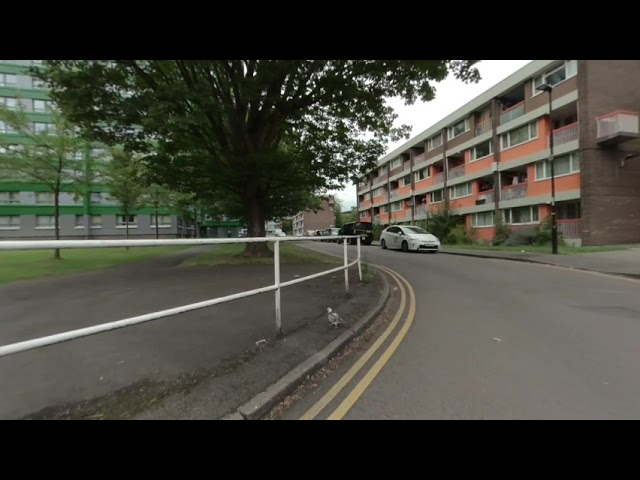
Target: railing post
[
  {"x": 276, "y": 274},
  {"x": 346, "y": 270},
  {"x": 359, "y": 263}
]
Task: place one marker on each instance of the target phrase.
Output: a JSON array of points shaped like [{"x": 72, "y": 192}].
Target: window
[
  {"x": 9, "y": 222},
  {"x": 458, "y": 129},
  {"x": 462, "y": 190},
  {"x": 384, "y": 208},
  {"x": 406, "y": 180},
  {"x": 482, "y": 219},
  {"x": 163, "y": 220},
  {"x": 421, "y": 174},
  {"x": 6, "y": 128},
  {"x": 378, "y": 191},
  {"x": 45, "y": 221},
  {"x": 568, "y": 210},
  {"x": 437, "y": 196},
  {"x": 521, "y": 215},
  {"x": 121, "y": 221},
  {"x": 40, "y": 105},
  {"x": 564, "y": 165},
  {"x": 9, "y": 102},
  {"x": 434, "y": 142},
  {"x": 362, "y": 215},
  {"x": 95, "y": 221},
  {"x": 481, "y": 150},
  {"x": 37, "y": 84},
  {"x": 520, "y": 135},
  {"x": 556, "y": 75},
  {"x": 46, "y": 198},
  {"x": 382, "y": 170},
  {"x": 96, "y": 198},
  {"x": 9, "y": 197},
  {"x": 8, "y": 80},
  {"x": 79, "y": 221},
  {"x": 41, "y": 127},
  {"x": 395, "y": 163},
  {"x": 75, "y": 155},
  {"x": 396, "y": 206}
]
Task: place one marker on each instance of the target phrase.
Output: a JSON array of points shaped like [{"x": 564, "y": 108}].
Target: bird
[{"x": 334, "y": 318}]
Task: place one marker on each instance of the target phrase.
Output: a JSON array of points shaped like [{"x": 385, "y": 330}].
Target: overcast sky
[{"x": 450, "y": 95}]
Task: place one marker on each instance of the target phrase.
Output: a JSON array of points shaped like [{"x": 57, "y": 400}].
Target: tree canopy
[{"x": 266, "y": 134}]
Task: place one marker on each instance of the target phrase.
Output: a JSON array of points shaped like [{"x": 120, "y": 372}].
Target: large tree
[
  {"x": 49, "y": 154},
  {"x": 255, "y": 129}
]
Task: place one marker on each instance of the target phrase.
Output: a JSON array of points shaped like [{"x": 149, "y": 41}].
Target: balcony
[
  {"x": 483, "y": 127},
  {"x": 617, "y": 127},
  {"x": 513, "y": 192},
  {"x": 456, "y": 172},
  {"x": 512, "y": 113},
  {"x": 488, "y": 196},
  {"x": 571, "y": 229},
  {"x": 394, "y": 193},
  {"x": 566, "y": 134},
  {"x": 438, "y": 178}
]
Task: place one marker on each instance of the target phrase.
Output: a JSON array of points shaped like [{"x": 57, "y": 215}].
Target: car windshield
[{"x": 415, "y": 230}]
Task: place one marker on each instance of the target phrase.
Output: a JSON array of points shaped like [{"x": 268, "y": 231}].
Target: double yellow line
[{"x": 363, "y": 384}]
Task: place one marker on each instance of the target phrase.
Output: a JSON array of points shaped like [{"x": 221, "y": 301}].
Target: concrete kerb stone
[
  {"x": 264, "y": 401},
  {"x": 538, "y": 262}
]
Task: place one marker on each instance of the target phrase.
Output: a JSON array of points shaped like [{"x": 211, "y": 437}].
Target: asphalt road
[{"x": 493, "y": 339}]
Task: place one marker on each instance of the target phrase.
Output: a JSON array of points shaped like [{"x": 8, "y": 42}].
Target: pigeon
[{"x": 334, "y": 318}]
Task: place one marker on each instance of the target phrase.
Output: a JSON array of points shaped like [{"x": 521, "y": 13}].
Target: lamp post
[{"x": 545, "y": 87}]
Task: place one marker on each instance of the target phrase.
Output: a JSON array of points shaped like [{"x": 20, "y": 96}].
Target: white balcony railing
[
  {"x": 570, "y": 228},
  {"x": 483, "y": 127},
  {"x": 618, "y": 123},
  {"x": 488, "y": 196},
  {"x": 513, "y": 192},
  {"x": 566, "y": 134},
  {"x": 438, "y": 177},
  {"x": 512, "y": 113},
  {"x": 456, "y": 172}
]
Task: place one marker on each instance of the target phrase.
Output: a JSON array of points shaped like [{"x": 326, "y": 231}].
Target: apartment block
[
  {"x": 310, "y": 221},
  {"x": 491, "y": 157},
  {"x": 26, "y": 208}
]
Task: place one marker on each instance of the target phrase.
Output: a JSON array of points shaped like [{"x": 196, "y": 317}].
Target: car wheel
[
  {"x": 405, "y": 246},
  {"x": 383, "y": 244}
]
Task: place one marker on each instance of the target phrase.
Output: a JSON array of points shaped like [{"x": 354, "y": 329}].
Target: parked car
[
  {"x": 331, "y": 232},
  {"x": 364, "y": 229},
  {"x": 409, "y": 238}
]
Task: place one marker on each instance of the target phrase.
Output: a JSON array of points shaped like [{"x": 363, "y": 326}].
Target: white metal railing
[
  {"x": 456, "y": 172},
  {"x": 512, "y": 113},
  {"x": 105, "y": 327},
  {"x": 566, "y": 134},
  {"x": 483, "y": 127},
  {"x": 618, "y": 122},
  {"x": 513, "y": 192},
  {"x": 438, "y": 178},
  {"x": 487, "y": 196}
]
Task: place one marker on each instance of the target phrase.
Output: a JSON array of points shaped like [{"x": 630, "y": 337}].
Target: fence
[{"x": 105, "y": 327}]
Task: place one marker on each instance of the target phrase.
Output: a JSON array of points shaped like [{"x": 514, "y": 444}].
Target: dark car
[{"x": 364, "y": 229}]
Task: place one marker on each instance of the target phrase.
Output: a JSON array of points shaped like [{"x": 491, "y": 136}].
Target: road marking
[
  {"x": 362, "y": 386},
  {"x": 347, "y": 377}
]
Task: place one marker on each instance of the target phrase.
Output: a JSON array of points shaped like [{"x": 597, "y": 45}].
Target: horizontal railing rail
[{"x": 126, "y": 322}]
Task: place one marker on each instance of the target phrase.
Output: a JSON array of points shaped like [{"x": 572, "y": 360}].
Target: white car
[{"x": 409, "y": 238}]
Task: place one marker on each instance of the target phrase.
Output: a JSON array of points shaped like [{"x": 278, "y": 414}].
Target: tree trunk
[
  {"x": 256, "y": 219},
  {"x": 56, "y": 220}
]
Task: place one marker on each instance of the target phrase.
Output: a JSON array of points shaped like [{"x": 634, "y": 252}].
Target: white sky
[{"x": 451, "y": 94}]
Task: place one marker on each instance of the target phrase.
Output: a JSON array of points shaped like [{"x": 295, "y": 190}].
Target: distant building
[{"x": 309, "y": 221}]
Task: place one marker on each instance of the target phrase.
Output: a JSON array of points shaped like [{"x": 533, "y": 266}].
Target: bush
[
  {"x": 543, "y": 233},
  {"x": 442, "y": 223},
  {"x": 521, "y": 237},
  {"x": 377, "y": 231},
  {"x": 459, "y": 236},
  {"x": 502, "y": 233}
]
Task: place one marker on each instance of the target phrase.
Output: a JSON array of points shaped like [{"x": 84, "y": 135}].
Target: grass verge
[
  {"x": 231, "y": 254},
  {"x": 22, "y": 265}
]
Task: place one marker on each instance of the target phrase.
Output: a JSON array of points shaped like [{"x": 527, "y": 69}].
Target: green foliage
[
  {"x": 442, "y": 223},
  {"x": 287, "y": 226},
  {"x": 126, "y": 182},
  {"x": 543, "y": 233},
  {"x": 459, "y": 236},
  {"x": 262, "y": 134},
  {"x": 377, "y": 230},
  {"x": 501, "y": 232},
  {"x": 349, "y": 217},
  {"x": 367, "y": 271},
  {"x": 42, "y": 157}
]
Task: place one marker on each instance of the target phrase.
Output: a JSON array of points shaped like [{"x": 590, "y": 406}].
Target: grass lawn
[
  {"x": 562, "y": 249},
  {"x": 231, "y": 254},
  {"x": 20, "y": 265}
]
